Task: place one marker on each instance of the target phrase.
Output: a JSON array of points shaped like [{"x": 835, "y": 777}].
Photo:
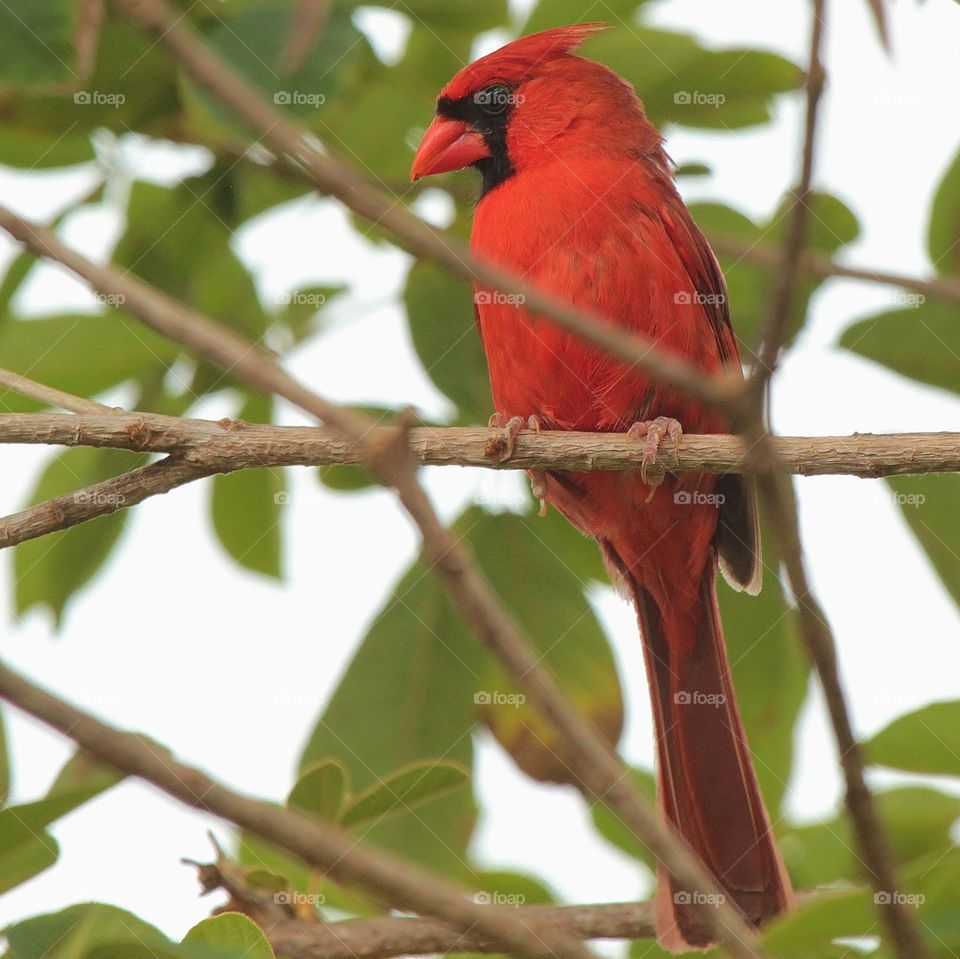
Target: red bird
[{"x": 578, "y": 198}]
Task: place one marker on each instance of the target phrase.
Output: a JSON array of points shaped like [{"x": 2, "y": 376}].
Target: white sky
[{"x": 231, "y": 670}]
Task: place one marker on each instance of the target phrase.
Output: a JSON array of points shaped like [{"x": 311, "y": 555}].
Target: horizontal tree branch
[
  {"x": 402, "y": 936},
  {"x": 200, "y": 448},
  {"x": 225, "y": 445},
  {"x": 298, "y": 933}
]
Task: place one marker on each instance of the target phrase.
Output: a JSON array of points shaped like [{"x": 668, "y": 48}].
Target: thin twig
[
  {"x": 945, "y": 288},
  {"x": 100, "y": 499},
  {"x": 799, "y": 217},
  {"x": 307, "y": 23},
  {"x": 48, "y": 395},
  {"x": 86, "y": 35},
  {"x": 322, "y": 846}
]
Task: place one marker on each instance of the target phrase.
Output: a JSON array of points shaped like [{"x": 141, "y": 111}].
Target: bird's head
[{"x": 532, "y": 102}]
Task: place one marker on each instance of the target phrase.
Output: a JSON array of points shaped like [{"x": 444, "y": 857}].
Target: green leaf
[
  {"x": 321, "y": 790},
  {"x": 924, "y": 741},
  {"x": 440, "y": 311},
  {"x": 610, "y": 826},
  {"x": 26, "y": 858},
  {"x": 66, "y": 934},
  {"x": 50, "y": 570},
  {"x": 808, "y": 931},
  {"x": 512, "y": 888},
  {"x": 751, "y": 286},
  {"x": 264, "y": 858},
  {"x": 581, "y": 555},
  {"x": 403, "y": 789},
  {"x": 943, "y": 236},
  {"x": 402, "y": 99},
  {"x": 133, "y": 87},
  {"x": 98, "y": 931},
  {"x": 681, "y": 82},
  {"x": 258, "y": 187},
  {"x": 84, "y": 776},
  {"x": 559, "y": 13},
  {"x": 302, "y": 310},
  {"x": 693, "y": 169},
  {"x": 917, "y": 819},
  {"x": 770, "y": 673},
  {"x": 929, "y": 505},
  {"x": 352, "y": 478},
  {"x": 21, "y": 146},
  {"x": 232, "y": 933},
  {"x": 932, "y": 887},
  {"x": 26, "y": 849},
  {"x": 546, "y": 596},
  {"x": 253, "y": 41},
  {"x": 247, "y": 505},
  {"x": 35, "y": 42},
  {"x": 406, "y": 697},
  {"x": 449, "y": 14},
  {"x": 84, "y": 355},
  {"x": 921, "y": 342},
  {"x": 165, "y": 229},
  {"x": 346, "y": 478}
]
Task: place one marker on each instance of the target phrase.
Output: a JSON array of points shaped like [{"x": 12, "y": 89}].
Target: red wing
[{"x": 705, "y": 274}]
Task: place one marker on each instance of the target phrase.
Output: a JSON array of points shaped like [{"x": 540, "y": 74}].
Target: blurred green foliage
[{"x": 392, "y": 753}]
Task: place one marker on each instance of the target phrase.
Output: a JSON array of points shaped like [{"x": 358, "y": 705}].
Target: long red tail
[{"x": 706, "y": 784}]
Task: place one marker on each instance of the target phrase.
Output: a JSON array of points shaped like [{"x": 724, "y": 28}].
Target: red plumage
[{"x": 580, "y": 201}]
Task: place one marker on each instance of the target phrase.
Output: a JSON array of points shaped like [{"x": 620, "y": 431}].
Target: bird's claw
[
  {"x": 653, "y": 433},
  {"x": 502, "y": 445},
  {"x": 538, "y": 486}
]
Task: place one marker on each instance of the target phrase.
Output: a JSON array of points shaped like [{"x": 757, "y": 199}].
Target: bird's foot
[
  {"x": 538, "y": 479},
  {"x": 503, "y": 443},
  {"x": 653, "y": 433}
]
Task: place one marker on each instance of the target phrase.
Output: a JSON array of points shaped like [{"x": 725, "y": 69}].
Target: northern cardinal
[{"x": 578, "y": 197}]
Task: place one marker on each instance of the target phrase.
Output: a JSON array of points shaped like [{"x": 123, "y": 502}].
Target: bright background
[{"x": 170, "y": 598}]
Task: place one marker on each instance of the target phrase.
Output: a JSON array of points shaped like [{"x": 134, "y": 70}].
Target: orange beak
[{"x": 447, "y": 145}]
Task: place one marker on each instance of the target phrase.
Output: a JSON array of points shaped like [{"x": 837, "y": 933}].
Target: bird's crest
[{"x": 515, "y": 61}]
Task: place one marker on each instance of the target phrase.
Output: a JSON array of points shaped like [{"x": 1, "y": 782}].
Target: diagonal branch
[
  {"x": 779, "y": 501},
  {"x": 789, "y": 272},
  {"x": 322, "y": 846},
  {"x": 24, "y": 386},
  {"x": 100, "y": 499}
]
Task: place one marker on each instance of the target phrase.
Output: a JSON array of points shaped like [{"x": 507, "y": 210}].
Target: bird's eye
[{"x": 495, "y": 99}]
